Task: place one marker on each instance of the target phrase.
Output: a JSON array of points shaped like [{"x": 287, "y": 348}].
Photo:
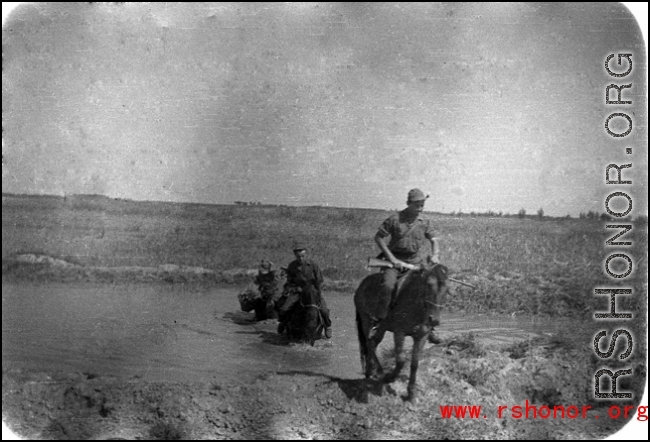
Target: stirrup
[{"x": 374, "y": 329}]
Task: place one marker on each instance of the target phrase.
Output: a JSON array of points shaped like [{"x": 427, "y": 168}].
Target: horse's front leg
[
  {"x": 400, "y": 359},
  {"x": 418, "y": 345}
]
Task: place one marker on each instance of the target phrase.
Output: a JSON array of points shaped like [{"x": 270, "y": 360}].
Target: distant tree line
[{"x": 521, "y": 214}]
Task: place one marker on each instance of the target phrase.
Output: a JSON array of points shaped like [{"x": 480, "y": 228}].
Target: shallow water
[{"x": 182, "y": 333}]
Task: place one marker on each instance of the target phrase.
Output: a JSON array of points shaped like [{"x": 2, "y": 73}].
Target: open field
[
  {"x": 521, "y": 266},
  {"x": 120, "y": 320}
]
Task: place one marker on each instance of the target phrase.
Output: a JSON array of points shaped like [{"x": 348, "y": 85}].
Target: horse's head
[{"x": 432, "y": 278}]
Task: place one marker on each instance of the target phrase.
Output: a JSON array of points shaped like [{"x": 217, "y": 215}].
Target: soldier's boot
[
  {"x": 281, "y": 323},
  {"x": 374, "y": 329},
  {"x": 328, "y": 332}
]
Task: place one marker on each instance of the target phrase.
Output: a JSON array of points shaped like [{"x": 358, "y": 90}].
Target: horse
[
  {"x": 262, "y": 301},
  {"x": 265, "y": 303},
  {"x": 421, "y": 294},
  {"x": 304, "y": 322}
]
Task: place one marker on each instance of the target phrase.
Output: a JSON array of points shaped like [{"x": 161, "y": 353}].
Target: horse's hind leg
[
  {"x": 400, "y": 360},
  {"x": 374, "y": 369},
  {"x": 418, "y": 344}
]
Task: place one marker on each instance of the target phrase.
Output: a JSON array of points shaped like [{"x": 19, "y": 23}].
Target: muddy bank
[
  {"x": 88, "y": 360},
  {"x": 43, "y": 268},
  {"x": 299, "y": 404}
]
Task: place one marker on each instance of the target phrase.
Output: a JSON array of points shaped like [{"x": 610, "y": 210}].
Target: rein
[
  {"x": 309, "y": 305},
  {"x": 426, "y": 301},
  {"x": 433, "y": 303}
]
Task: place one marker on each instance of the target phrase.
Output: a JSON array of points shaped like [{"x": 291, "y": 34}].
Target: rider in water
[
  {"x": 267, "y": 280},
  {"x": 408, "y": 232},
  {"x": 303, "y": 274}
]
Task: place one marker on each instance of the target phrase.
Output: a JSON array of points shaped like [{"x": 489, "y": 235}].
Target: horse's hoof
[
  {"x": 411, "y": 396},
  {"x": 389, "y": 379},
  {"x": 375, "y": 377}
]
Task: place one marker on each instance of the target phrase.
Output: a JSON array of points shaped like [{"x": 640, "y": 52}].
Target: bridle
[{"x": 426, "y": 301}]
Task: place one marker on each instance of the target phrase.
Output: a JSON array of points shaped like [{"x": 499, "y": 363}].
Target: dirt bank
[
  {"x": 169, "y": 361},
  {"x": 299, "y": 404}
]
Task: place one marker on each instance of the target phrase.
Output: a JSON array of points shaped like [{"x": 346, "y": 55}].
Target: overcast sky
[{"x": 484, "y": 106}]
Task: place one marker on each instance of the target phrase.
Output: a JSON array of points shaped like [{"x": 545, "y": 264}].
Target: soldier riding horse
[{"x": 415, "y": 311}]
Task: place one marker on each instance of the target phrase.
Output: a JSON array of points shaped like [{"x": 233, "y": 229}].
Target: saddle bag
[{"x": 247, "y": 299}]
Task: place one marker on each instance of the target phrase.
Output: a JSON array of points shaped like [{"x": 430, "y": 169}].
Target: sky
[{"x": 483, "y": 106}]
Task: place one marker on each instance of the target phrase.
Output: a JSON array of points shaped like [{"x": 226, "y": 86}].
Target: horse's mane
[{"x": 437, "y": 270}]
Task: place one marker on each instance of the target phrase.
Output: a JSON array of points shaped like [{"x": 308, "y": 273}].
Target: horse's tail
[{"x": 363, "y": 342}]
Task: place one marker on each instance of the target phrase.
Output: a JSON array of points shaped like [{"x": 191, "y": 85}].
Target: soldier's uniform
[
  {"x": 406, "y": 241},
  {"x": 408, "y": 234},
  {"x": 267, "y": 281},
  {"x": 304, "y": 276}
]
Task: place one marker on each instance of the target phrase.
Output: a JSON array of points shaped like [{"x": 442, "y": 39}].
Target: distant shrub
[
  {"x": 605, "y": 217},
  {"x": 540, "y": 213},
  {"x": 522, "y": 213}
]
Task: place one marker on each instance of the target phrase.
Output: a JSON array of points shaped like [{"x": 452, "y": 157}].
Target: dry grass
[{"x": 520, "y": 266}]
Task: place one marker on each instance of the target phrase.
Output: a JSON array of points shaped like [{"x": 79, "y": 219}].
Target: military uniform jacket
[
  {"x": 300, "y": 274},
  {"x": 406, "y": 239}
]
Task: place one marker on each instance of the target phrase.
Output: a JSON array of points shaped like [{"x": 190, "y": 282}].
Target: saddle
[{"x": 441, "y": 274}]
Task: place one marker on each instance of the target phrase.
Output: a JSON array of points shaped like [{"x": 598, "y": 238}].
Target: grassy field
[
  {"x": 520, "y": 266},
  {"x": 526, "y": 267}
]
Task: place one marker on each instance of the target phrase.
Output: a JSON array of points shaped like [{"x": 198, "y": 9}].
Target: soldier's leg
[
  {"x": 285, "y": 307},
  {"x": 388, "y": 282},
  {"x": 434, "y": 319},
  {"x": 389, "y": 279},
  {"x": 325, "y": 312}
]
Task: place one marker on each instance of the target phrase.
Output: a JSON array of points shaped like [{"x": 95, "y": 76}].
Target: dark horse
[
  {"x": 304, "y": 321},
  {"x": 262, "y": 301},
  {"x": 265, "y": 304},
  {"x": 421, "y": 295}
]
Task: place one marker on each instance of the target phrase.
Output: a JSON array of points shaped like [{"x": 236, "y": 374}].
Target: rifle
[{"x": 375, "y": 262}]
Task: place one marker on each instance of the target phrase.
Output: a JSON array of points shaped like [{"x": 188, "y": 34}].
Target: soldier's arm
[
  {"x": 381, "y": 242},
  {"x": 435, "y": 247},
  {"x": 435, "y": 250},
  {"x": 318, "y": 276}
]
